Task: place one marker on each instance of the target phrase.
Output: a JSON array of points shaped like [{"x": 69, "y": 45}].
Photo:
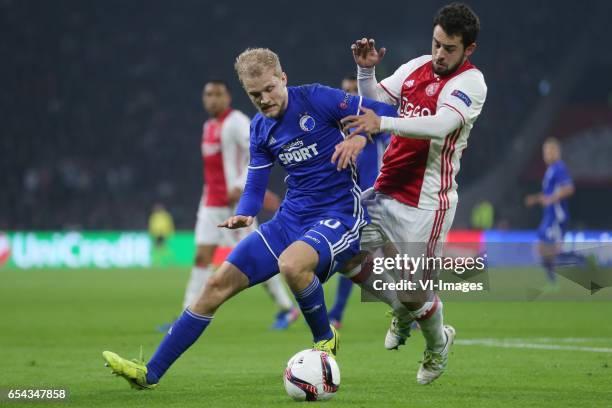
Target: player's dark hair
[
  {"x": 350, "y": 77},
  {"x": 458, "y": 19},
  {"x": 217, "y": 82}
]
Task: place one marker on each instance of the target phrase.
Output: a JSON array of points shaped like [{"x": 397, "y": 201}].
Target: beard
[{"x": 448, "y": 70}]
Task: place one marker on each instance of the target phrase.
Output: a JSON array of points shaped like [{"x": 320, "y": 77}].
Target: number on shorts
[{"x": 333, "y": 224}]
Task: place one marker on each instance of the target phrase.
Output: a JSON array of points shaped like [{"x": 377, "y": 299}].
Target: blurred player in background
[
  {"x": 368, "y": 163},
  {"x": 225, "y": 154},
  {"x": 557, "y": 187},
  {"x": 313, "y": 233},
  {"x": 415, "y": 196},
  {"x": 161, "y": 228}
]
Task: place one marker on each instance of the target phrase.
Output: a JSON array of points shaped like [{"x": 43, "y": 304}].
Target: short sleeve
[
  {"x": 562, "y": 176},
  {"x": 392, "y": 85},
  {"x": 236, "y": 130},
  {"x": 464, "y": 94},
  {"x": 242, "y": 128},
  {"x": 235, "y": 139}
]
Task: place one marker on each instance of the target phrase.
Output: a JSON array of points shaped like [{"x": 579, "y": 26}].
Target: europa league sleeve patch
[
  {"x": 345, "y": 102},
  {"x": 466, "y": 99}
]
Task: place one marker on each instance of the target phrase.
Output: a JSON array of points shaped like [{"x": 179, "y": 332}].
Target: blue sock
[
  {"x": 183, "y": 333},
  {"x": 550, "y": 271},
  {"x": 312, "y": 303},
  {"x": 345, "y": 287}
]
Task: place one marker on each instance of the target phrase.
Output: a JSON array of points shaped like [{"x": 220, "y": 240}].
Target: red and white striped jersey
[
  {"x": 225, "y": 155},
  {"x": 421, "y": 173}
]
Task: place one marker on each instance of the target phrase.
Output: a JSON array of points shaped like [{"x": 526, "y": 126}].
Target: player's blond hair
[{"x": 253, "y": 62}]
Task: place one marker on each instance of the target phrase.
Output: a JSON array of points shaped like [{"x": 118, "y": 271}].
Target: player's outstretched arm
[
  {"x": 561, "y": 193},
  {"x": 368, "y": 122},
  {"x": 533, "y": 199},
  {"x": 423, "y": 127},
  {"x": 237, "y": 221}
]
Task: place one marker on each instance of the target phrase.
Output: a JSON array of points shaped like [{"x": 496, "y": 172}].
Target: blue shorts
[
  {"x": 551, "y": 230},
  {"x": 336, "y": 241}
]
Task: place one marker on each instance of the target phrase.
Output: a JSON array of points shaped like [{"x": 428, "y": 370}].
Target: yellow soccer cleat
[
  {"x": 134, "y": 371},
  {"x": 329, "y": 346}
]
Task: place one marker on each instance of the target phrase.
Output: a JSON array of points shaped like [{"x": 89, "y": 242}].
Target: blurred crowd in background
[{"x": 102, "y": 116}]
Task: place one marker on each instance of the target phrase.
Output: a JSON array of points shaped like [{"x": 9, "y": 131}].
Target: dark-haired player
[{"x": 414, "y": 198}]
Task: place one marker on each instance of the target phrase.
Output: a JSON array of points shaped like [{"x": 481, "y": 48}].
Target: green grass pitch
[{"x": 56, "y": 323}]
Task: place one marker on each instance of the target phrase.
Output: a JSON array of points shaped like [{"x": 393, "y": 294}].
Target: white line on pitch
[
  {"x": 512, "y": 343},
  {"x": 554, "y": 339}
]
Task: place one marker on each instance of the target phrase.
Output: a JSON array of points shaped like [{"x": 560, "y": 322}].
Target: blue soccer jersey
[
  {"x": 555, "y": 215},
  {"x": 370, "y": 160},
  {"x": 303, "y": 141},
  {"x": 322, "y": 206}
]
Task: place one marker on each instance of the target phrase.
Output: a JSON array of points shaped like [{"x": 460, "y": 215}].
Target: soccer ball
[{"x": 312, "y": 375}]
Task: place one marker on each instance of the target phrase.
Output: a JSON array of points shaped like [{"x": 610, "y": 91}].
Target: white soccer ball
[{"x": 312, "y": 375}]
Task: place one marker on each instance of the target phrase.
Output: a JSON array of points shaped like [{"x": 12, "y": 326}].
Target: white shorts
[
  {"x": 207, "y": 232},
  {"x": 413, "y": 231}
]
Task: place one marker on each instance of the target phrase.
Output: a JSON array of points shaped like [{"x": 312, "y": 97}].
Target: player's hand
[
  {"x": 271, "y": 201},
  {"x": 237, "y": 221},
  {"x": 348, "y": 150},
  {"x": 530, "y": 200},
  {"x": 365, "y": 53},
  {"x": 533, "y": 199},
  {"x": 368, "y": 123},
  {"x": 233, "y": 196}
]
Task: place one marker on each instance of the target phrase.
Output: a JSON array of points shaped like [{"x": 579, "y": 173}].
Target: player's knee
[
  {"x": 201, "y": 259},
  {"x": 414, "y": 299},
  {"x": 198, "y": 260},
  {"x": 290, "y": 268},
  {"x": 213, "y": 296},
  {"x": 414, "y": 305},
  {"x": 215, "y": 285},
  {"x": 226, "y": 282}
]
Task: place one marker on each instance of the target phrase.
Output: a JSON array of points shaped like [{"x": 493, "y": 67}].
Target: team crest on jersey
[
  {"x": 307, "y": 122},
  {"x": 432, "y": 89}
]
